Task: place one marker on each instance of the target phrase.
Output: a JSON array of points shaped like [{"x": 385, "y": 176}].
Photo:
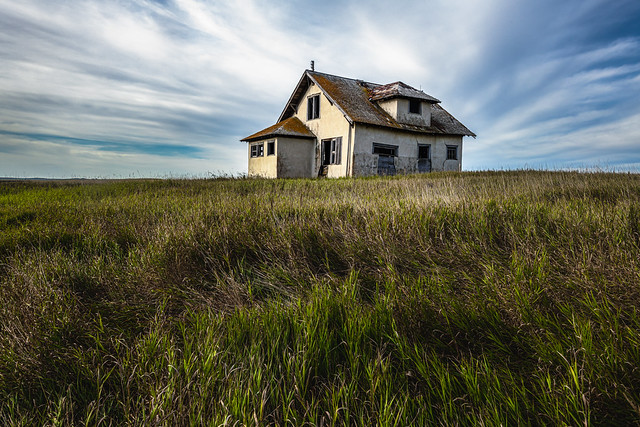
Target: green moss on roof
[{"x": 354, "y": 99}]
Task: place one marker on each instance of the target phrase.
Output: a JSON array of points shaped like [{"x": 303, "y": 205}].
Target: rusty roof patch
[
  {"x": 288, "y": 127},
  {"x": 400, "y": 90}
]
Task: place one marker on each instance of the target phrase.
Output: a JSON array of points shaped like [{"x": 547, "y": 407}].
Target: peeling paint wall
[
  {"x": 406, "y": 161},
  {"x": 330, "y": 124}
]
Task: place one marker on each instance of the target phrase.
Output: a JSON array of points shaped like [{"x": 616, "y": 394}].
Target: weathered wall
[
  {"x": 330, "y": 124},
  {"x": 366, "y": 163},
  {"x": 295, "y": 157},
  {"x": 390, "y": 106},
  {"x": 265, "y": 166},
  {"x": 398, "y": 108},
  {"x": 404, "y": 116}
]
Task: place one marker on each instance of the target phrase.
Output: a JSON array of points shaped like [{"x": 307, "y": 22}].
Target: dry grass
[{"x": 491, "y": 298}]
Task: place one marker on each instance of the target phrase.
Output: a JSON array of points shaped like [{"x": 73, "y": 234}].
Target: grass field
[{"x": 489, "y": 298}]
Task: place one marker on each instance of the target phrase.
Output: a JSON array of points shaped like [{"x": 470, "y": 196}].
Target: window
[
  {"x": 331, "y": 151},
  {"x": 257, "y": 150},
  {"x": 271, "y": 148},
  {"x": 313, "y": 107},
  {"x": 424, "y": 151},
  {"x": 415, "y": 106},
  {"x": 452, "y": 152},
  {"x": 385, "y": 150}
]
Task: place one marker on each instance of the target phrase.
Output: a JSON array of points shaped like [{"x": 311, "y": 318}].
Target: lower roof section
[{"x": 289, "y": 127}]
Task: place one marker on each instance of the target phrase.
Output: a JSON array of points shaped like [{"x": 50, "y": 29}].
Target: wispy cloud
[{"x": 93, "y": 88}]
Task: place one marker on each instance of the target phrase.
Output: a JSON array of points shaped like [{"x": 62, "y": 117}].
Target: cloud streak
[{"x": 92, "y": 88}]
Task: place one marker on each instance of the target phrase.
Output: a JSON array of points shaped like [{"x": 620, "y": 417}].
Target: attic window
[
  {"x": 415, "y": 106},
  {"x": 313, "y": 107},
  {"x": 257, "y": 150}
]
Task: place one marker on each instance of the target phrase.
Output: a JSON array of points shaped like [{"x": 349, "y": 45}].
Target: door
[
  {"x": 424, "y": 165},
  {"x": 424, "y": 158},
  {"x": 386, "y": 165},
  {"x": 386, "y": 158}
]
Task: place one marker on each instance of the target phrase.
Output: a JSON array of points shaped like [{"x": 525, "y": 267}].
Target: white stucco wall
[
  {"x": 264, "y": 166},
  {"x": 330, "y": 124},
  {"x": 366, "y": 163},
  {"x": 295, "y": 157}
]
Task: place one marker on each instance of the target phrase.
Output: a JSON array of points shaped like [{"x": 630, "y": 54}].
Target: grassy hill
[{"x": 474, "y": 298}]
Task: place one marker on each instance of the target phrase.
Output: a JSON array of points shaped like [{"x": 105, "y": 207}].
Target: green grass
[{"x": 491, "y": 298}]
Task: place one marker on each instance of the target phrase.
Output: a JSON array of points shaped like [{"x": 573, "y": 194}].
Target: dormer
[{"x": 404, "y": 103}]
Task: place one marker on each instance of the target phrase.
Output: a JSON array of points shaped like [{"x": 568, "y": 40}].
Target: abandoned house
[{"x": 335, "y": 126}]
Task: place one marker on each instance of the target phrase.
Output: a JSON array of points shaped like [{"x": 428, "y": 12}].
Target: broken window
[
  {"x": 331, "y": 151},
  {"x": 313, "y": 107},
  {"x": 415, "y": 106},
  {"x": 452, "y": 152},
  {"x": 257, "y": 150},
  {"x": 271, "y": 148},
  {"x": 385, "y": 150}
]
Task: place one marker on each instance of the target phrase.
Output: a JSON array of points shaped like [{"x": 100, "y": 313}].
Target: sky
[{"x": 167, "y": 88}]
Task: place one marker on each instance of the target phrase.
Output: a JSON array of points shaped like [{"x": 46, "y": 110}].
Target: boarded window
[
  {"x": 271, "y": 148},
  {"x": 415, "y": 106},
  {"x": 332, "y": 151},
  {"x": 257, "y": 150},
  {"x": 313, "y": 107},
  {"x": 452, "y": 152}
]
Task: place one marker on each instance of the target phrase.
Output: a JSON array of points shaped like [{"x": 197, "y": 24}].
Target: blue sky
[{"x": 143, "y": 88}]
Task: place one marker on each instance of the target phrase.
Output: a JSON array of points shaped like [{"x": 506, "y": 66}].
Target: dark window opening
[
  {"x": 271, "y": 148},
  {"x": 452, "y": 152},
  {"x": 415, "y": 106},
  {"x": 331, "y": 151},
  {"x": 385, "y": 150},
  {"x": 424, "y": 158},
  {"x": 313, "y": 107},
  {"x": 424, "y": 151},
  {"x": 257, "y": 150}
]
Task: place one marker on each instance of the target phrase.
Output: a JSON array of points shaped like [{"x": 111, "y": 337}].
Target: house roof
[
  {"x": 288, "y": 127},
  {"x": 399, "y": 90},
  {"x": 354, "y": 99}
]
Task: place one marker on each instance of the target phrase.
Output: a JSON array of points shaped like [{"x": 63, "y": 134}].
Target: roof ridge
[{"x": 342, "y": 77}]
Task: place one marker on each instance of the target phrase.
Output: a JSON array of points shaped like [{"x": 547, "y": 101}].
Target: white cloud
[{"x": 528, "y": 78}]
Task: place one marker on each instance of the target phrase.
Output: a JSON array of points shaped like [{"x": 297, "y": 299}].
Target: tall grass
[{"x": 491, "y": 298}]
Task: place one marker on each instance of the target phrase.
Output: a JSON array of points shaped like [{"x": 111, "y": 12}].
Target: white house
[{"x": 335, "y": 126}]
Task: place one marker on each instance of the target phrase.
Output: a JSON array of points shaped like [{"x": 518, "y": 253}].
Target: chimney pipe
[{"x": 313, "y": 68}]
